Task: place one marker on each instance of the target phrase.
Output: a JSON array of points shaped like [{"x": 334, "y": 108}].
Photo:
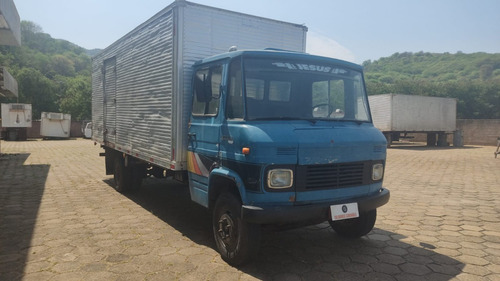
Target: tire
[
  {"x": 138, "y": 172},
  {"x": 237, "y": 241},
  {"x": 355, "y": 228},
  {"x": 121, "y": 175},
  {"x": 127, "y": 178}
]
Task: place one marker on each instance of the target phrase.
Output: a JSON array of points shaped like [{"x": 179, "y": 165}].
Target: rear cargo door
[{"x": 109, "y": 90}]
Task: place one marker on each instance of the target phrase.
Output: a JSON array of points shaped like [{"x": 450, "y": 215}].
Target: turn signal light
[{"x": 245, "y": 150}]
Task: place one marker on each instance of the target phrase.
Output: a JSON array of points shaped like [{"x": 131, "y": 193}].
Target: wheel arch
[{"x": 221, "y": 181}]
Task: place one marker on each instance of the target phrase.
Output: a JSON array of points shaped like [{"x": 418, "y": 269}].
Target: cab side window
[{"x": 206, "y": 88}]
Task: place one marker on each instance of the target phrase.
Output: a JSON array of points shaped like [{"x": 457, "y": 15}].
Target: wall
[
  {"x": 480, "y": 131},
  {"x": 475, "y": 132}
]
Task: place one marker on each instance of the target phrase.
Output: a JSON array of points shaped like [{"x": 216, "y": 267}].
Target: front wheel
[
  {"x": 355, "y": 228},
  {"x": 237, "y": 241}
]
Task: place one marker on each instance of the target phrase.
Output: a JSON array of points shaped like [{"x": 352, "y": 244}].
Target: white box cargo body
[
  {"x": 55, "y": 125},
  {"x": 141, "y": 83},
  {"x": 16, "y": 115},
  {"x": 408, "y": 113}
]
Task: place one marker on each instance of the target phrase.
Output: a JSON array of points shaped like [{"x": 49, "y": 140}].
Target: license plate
[{"x": 344, "y": 211}]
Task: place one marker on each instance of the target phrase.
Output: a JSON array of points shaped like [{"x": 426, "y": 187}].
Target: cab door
[{"x": 204, "y": 129}]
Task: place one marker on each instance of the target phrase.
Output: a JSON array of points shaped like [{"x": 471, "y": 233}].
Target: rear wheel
[
  {"x": 120, "y": 175},
  {"x": 237, "y": 241},
  {"x": 138, "y": 173},
  {"x": 355, "y": 228},
  {"x": 127, "y": 177}
]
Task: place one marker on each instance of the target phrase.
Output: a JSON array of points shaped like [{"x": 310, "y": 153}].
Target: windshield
[{"x": 288, "y": 89}]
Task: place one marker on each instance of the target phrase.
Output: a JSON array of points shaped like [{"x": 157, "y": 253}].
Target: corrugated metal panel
[
  {"x": 144, "y": 67},
  {"x": 408, "y": 113},
  {"x": 153, "y": 74},
  {"x": 381, "y": 109},
  {"x": 425, "y": 114},
  {"x": 208, "y": 31},
  {"x": 110, "y": 101},
  {"x": 97, "y": 101}
]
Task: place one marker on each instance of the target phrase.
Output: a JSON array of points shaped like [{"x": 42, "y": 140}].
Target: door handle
[{"x": 192, "y": 135}]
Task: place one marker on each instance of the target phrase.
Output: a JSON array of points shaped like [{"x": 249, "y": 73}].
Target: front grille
[{"x": 333, "y": 176}]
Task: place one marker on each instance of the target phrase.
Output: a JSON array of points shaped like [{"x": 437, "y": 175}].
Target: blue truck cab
[{"x": 281, "y": 138}]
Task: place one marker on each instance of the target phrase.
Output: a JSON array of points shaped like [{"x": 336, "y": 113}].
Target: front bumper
[{"x": 310, "y": 212}]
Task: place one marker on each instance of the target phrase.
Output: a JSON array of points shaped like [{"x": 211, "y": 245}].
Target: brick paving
[{"x": 61, "y": 220}]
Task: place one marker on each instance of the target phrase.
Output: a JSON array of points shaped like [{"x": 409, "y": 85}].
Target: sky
[{"x": 355, "y": 31}]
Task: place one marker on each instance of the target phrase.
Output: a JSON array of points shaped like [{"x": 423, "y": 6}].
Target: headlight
[
  {"x": 280, "y": 178},
  {"x": 377, "y": 171}
]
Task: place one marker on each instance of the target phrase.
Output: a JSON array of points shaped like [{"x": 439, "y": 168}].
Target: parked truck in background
[
  {"x": 16, "y": 119},
  {"x": 397, "y": 115},
  {"x": 261, "y": 137},
  {"x": 55, "y": 125}
]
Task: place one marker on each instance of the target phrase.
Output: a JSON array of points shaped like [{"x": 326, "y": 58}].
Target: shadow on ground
[
  {"x": 423, "y": 147},
  {"x": 170, "y": 201},
  {"x": 21, "y": 190},
  {"x": 309, "y": 253}
]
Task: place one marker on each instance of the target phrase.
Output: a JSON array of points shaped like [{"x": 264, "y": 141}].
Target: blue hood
[{"x": 307, "y": 143}]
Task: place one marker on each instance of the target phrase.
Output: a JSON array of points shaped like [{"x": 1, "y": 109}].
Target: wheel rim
[{"x": 227, "y": 232}]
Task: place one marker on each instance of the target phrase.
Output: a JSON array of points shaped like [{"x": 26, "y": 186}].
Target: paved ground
[{"x": 61, "y": 220}]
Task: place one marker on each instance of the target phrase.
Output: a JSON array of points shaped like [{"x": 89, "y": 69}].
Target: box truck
[
  {"x": 16, "y": 119},
  {"x": 396, "y": 115},
  {"x": 262, "y": 137}
]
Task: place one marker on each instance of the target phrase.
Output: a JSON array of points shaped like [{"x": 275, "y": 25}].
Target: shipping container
[
  {"x": 16, "y": 115},
  {"x": 16, "y": 119},
  {"x": 394, "y": 114},
  {"x": 55, "y": 125}
]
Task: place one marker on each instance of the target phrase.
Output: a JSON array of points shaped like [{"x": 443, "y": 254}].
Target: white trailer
[
  {"x": 55, "y": 125},
  {"x": 141, "y": 84},
  {"x": 396, "y": 114},
  {"x": 16, "y": 118}
]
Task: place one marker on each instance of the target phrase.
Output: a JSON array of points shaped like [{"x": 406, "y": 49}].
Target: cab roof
[{"x": 282, "y": 54}]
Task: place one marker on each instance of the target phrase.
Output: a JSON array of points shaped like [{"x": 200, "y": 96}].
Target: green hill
[
  {"x": 473, "y": 79},
  {"x": 53, "y": 75}
]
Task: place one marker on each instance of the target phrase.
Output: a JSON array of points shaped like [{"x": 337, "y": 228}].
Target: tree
[
  {"x": 77, "y": 98},
  {"x": 62, "y": 65},
  {"x": 53, "y": 75},
  {"x": 473, "y": 79},
  {"x": 36, "y": 89}
]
